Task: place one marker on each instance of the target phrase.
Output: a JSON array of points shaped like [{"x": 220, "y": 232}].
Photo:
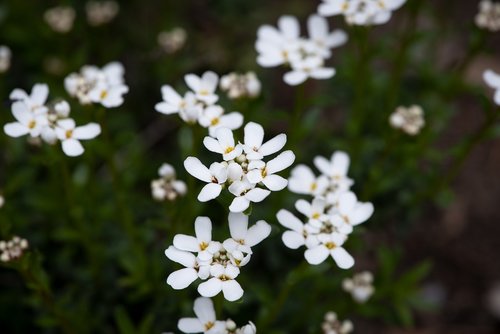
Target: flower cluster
[
  {"x": 488, "y": 16},
  {"x": 217, "y": 264},
  {"x": 60, "y": 19},
  {"x": 207, "y": 323},
  {"x": 305, "y": 56},
  {"x": 410, "y": 120},
  {"x": 101, "y": 12},
  {"x": 167, "y": 187},
  {"x": 95, "y": 85},
  {"x": 199, "y": 104},
  {"x": 493, "y": 80},
  {"x": 240, "y": 85},
  {"x": 242, "y": 169},
  {"x": 5, "y": 58},
  {"x": 51, "y": 123},
  {"x": 361, "y": 12},
  {"x": 331, "y": 215},
  {"x": 332, "y": 325},
  {"x": 173, "y": 40},
  {"x": 360, "y": 286},
  {"x": 12, "y": 249}
]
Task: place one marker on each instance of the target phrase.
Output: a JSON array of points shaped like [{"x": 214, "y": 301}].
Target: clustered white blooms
[
  {"x": 167, "y": 187},
  {"x": 206, "y": 321},
  {"x": 240, "y": 85},
  {"x": 12, "y": 249},
  {"x": 493, "y": 80},
  {"x": 199, "y": 104},
  {"x": 410, "y": 120},
  {"x": 488, "y": 16},
  {"x": 51, "y": 123},
  {"x": 361, "y": 12},
  {"x": 305, "y": 56},
  {"x": 60, "y": 19},
  {"x": 173, "y": 40},
  {"x": 242, "y": 170},
  {"x": 95, "y": 85},
  {"x": 5, "y": 58},
  {"x": 101, "y": 12},
  {"x": 331, "y": 215},
  {"x": 332, "y": 325},
  {"x": 217, "y": 264},
  {"x": 360, "y": 286}
]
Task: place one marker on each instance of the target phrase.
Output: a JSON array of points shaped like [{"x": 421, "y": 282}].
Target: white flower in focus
[
  {"x": 173, "y": 40},
  {"x": 204, "y": 87},
  {"x": 5, "y": 58},
  {"x": 182, "y": 278},
  {"x": 361, "y": 12},
  {"x": 266, "y": 172},
  {"x": 245, "y": 193},
  {"x": 488, "y": 16},
  {"x": 101, "y": 12},
  {"x": 215, "y": 176},
  {"x": 360, "y": 286},
  {"x": 202, "y": 243},
  {"x": 330, "y": 244},
  {"x": 27, "y": 121},
  {"x": 205, "y": 321},
  {"x": 223, "y": 279},
  {"x": 60, "y": 19},
  {"x": 299, "y": 234},
  {"x": 12, "y": 249},
  {"x": 70, "y": 135},
  {"x": 410, "y": 120},
  {"x": 242, "y": 237},
  {"x": 336, "y": 169},
  {"x": 223, "y": 144},
  {"x": 253, "y": 144},
  {"x": 332, "y": 325},
  {"x": 187, "y": 107},
  {"x": 493, "y": 80},
  {"x": 213, "y": 118},
  {"x": 303, "y": 181},
  {"x": 314, "y": 211},
  {"x": 240, "y": 85},
  {"x": 350, "y": 212},
  {"x": 35, "y": 100}
]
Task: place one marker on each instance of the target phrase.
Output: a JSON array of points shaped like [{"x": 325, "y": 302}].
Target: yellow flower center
[
  {"x": 214, "y": 121},
  {"x": 229, "y": 150},
  {"x": 69, "y": 134},
  {"x": 203, "y": 245},
  {"x": 103, "y": 95},
  {"x": 209, "y": 325},
  {"x": 264, "y": 172},
  {"x": 314, "y": 186},
  {"x": 32, "y": 124},
  {"x": 315, "y": 215},
  {"x": 330, "y": 245}
]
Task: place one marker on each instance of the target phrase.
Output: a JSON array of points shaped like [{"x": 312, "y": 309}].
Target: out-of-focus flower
[
  {"x": 488, "y": 16},
  {"x": 2, "y": 201},
  {"x": 70, "y": 135},
  {"x": 305, "y": 56},
  {"x": 60, "y": 19},
  {"x": 493, "y": 300},
  {"x": 12, "y": 249},
  {"x": 493, "y": 80},
  {"x": 173, "y": 40},
  {"x": 217, "y": 264},
  {"x": 167, "y": 187},
  {"x": 361, "y": 12},
  {"x": 5, "y": 58},
  {"x": 332, "y": 325},
  {"x": 410, "y": 120},
  {"x": 240, "y": 85},
  {"x": 101, "y": 12},
  {"x": 95, "y": 85},
  {"x": 35, "y": 100},
  {"x": 360, "y": 286}
]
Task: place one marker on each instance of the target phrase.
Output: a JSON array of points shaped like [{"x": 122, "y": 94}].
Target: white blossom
[
  {"x": 410, "y": 120},
  {"x": 332, "y": 325},
  {"x": 492, "y": 79},
  {"x": 5, "y": 58},
  {"x": 240, "y": 85},
  {"x": 173, "y": 40},
  {"x": 360, "y": 286},
  {"x": 12, "y": 249},
  {"x": 60, "y": 19},
  {"x": 101, "y": 12},
  {"x": 70, "y": 135},
  {"x": 361, "y": 12},
  {"x": 488, "y": 16},
  {"x": 167, "y": 187}
]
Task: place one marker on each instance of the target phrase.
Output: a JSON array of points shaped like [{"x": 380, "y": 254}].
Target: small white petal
[
  {"x": 209, "y": 192},
  {"x": 182, "y": 278},
  {"x": 316, "y": 255},
  {"x": 210, "y": 288},
  {"x": 292, "y": 239},
  {"x": 343, "y": 259},
  {"x": 72, "y": 147},
  {"x": 197, "y": 169},
  {"x": 232, "y": 290},
  {"x": 190, "y": 325}
]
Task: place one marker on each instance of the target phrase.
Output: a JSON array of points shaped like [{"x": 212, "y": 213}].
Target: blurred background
[{"x": 432, "y": 243}]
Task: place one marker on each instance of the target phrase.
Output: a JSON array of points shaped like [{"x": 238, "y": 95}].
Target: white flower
[
  {"x": 205, "y": 321},
  {"x": 332, "y": 325},
  {"x": 70, "y": 135},
  {"x": 60, "y": 19},
  {"x": 314, "y": 211},
  {"x": 173, "y": 40},
  {"x": 493, "y": 80},
  {"x": 108, "y": 96},
  {"x": 202, "y": 243},
  {"x": 309, "y": 67},
  {"x": 101, "y": 12},
  {"x": 216, "y": 176},
  {"x": 240, "y": 85},
  {"x": 330, "y": 244},
  {"x": 167, "y": 187},
  {"x": 182, "y": 278},
  {"x": 245, "y": 193},
  {"x": 360, "y": 286},
  {"x": 253, "y": 146},
  {"x": 350, "y": 212},
  {"x": 303, "y": 181},
  {"x": 410, "y": 120},
  {"x": 242, "y": 237},
  {"x": 36, "y": 100},
  {"x": 12, "y": 249},
  {"x": 27, "y": 121},
  {"x": 204, "y": 87},
  {"x": 223, "y": 144},
  {"x": 187, "y": 107},
  {"x": 223, "y": 279},
  {"x": 361, "y": 12},
  {"x": 2, "y": 201},
  {"x": 322, "y": 39},
  {"x": 248, "y": 329},
  {"x": 336, "y": 169},
  {"x": 5, "y": 58},
  {"x": 266, "y": 172},
  {"x": 213, "y": 118},
  {"x": 299, "y": 234},
  {"x": 488, "y": 16}
]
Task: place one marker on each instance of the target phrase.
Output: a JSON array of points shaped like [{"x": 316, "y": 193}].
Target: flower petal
[
  {"x": 209, "y": 192},
  {"x": 343, "y": 259},
  {"x": 210, "y": 288},
  {"x": 232, "y": 290},
  {"x": 72, "y": 147},
  {"x": 238, "y": 225},
  {"x": 182, "y": 278},
  {"x": 316, "y": 255},
  {"x": 197, "y": 169}
]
